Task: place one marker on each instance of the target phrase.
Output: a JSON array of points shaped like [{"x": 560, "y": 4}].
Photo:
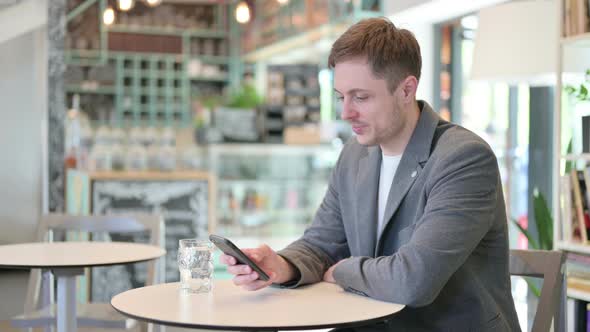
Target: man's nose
[{"x": 348, "y": 111}]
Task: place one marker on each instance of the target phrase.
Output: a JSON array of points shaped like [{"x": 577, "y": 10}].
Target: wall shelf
[
  {"x": 573, "y": 247},
  {"x": 273, "y": 149},
  {"x": 304, "y": 42},
  {"x": 578, "y": 294},
  {"x": 581, "y": 40},
  {"x": 169, "y": 31},
  {"x": 212, "y": 59},
  {"x": 576, "y": 157},
  {"x": 262, "y": 182},
  {"x": 105, "y": 90},
  {"x": 209, "y": 79}
]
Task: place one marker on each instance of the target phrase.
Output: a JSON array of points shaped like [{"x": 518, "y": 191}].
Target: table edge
[
  {"x": 29, "y": 267},
  {"x": 258, "y": 328},
  {"x": 161, "y": 254}
]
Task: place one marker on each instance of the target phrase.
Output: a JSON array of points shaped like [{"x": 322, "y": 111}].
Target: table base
[{"x": 66, "y": 299}]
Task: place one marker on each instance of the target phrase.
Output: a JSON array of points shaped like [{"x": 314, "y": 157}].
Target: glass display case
[{"x": 269, "y": 193}]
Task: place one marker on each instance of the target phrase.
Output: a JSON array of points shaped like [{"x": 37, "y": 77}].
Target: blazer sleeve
[
  {"x": 460, "y": 209},
  {"x": 324, "y": 241}
]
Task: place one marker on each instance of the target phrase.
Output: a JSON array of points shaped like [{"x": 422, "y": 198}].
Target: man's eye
[
  {"x": 360, "y": 98},
  {"x": 339, "y": 98}
]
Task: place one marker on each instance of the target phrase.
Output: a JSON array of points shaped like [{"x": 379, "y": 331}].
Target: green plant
[
  {"x": 569, "y": 164},
  {"x": 211, "y": 101},
  {"x": 580, "y": 92},
  {"x": 205, "y": 105},
  {"x": 247, "y": 97},
  {"x": 544, "y": 223}
]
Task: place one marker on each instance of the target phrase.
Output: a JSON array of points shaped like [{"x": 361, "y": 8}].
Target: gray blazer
[{"x": 444, "y": 250}]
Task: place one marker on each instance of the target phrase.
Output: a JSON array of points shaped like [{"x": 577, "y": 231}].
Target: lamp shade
[{"x": 517, "y": 42}]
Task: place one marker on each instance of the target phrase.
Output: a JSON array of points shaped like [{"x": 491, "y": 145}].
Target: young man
[{"x": 414, "y": 212}]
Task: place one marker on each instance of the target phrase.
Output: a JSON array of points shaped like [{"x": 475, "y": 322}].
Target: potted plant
[{"x": 239, "y": 120}]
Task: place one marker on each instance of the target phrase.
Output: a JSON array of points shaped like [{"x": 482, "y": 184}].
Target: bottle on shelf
[
  {"x": 101, "y": 158},
  {"x": 73, "y": 135},
  {"x": 136, "y": 156},
  {"x": 167, "y": 150}
]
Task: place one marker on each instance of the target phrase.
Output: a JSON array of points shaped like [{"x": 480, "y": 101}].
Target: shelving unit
[
  {"x": 153, "y": 61},
  {"x": 293, "y": 98},
  {"x": 273, "y": 194},
  {"x": 280, "y": 25},
  {"x": 573, "y": 43}
]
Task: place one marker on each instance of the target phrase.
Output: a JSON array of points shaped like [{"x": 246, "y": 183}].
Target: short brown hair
[{"x": 392, "y": 53}]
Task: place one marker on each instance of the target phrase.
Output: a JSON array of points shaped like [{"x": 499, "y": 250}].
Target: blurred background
[{"x": 221, "y": 116}]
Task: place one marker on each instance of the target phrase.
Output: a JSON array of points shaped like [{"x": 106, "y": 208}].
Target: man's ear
[{"x": 409, "y": 86}]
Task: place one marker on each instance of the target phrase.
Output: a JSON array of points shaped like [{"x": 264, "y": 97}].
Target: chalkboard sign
[
  {"x": 238, "y": 124},
  {"x": 184, "y": 206}
]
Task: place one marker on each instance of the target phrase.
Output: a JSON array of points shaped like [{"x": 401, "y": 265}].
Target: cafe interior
[{"x": 220, "y": 117}]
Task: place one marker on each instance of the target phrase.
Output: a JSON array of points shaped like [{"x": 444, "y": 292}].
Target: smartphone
[{"x": 229, "y": 248}]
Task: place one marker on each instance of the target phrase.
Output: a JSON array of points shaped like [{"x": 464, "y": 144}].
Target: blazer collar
[
  {"x": 420, "y": 144},
  {"x": 414, "y": 157}
]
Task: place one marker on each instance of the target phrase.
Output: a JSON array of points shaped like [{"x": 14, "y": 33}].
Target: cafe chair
[
  {"x": 549, "y": 265},
  {"x": 39, "y": 305}
]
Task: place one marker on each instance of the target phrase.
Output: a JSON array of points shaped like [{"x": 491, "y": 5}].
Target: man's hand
[
  {"x": 277, "y": 268},
  {"x": 328, "y": 275}
]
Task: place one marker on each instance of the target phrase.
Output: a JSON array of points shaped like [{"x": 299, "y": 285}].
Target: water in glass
[{"x": 195, "y": 265}]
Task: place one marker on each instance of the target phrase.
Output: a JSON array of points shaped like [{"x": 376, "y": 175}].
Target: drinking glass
[{"x": 195, "y": 263}]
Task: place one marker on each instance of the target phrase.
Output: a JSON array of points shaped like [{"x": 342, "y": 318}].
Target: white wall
[
  {"x": 434, "y": 11},
  {"x": 23, "y": 104},
  {"x": 424, "y": 33},
  {"x": 20, "y": 18},
  {"x": 420, "y": 16}
]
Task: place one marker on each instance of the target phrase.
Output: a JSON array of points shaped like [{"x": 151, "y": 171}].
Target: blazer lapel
[
  {"x": 367, "y": 184},
  {"x": 415, "y": 156}
]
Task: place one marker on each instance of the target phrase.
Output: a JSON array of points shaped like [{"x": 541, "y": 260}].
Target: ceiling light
[
  {"x": 108, "y": 17},
  {"x": 125, "y": 5},
  {"x": 283, "y": 2},
  {"x": 153, "y": 3},
  {"x": 242, "y": 13},
  {"x": 469, "y": 22}
]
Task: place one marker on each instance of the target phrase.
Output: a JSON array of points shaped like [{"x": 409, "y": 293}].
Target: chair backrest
[
  {"x": 153, "y": 224},
  {"x": 549, "y": 265}
]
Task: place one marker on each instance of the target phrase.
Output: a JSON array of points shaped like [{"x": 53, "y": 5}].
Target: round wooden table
[
  {"x": 67, "y": 260},
  {"x": 228, "y": 307}
]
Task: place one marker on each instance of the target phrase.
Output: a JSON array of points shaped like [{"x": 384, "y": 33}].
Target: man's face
[{"x": 375, "y": 114}]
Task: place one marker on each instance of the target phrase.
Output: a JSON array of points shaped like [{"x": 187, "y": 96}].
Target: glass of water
[{"x": 195, "y": 263}]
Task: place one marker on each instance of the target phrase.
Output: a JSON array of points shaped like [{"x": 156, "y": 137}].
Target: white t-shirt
[{"x": 389, "y": 165}]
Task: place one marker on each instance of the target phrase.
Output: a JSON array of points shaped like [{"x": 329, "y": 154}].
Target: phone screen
[{"x": 231, "y": 249}]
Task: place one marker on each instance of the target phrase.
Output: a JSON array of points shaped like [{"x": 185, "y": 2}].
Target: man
[{"x": 414, "y": 212}]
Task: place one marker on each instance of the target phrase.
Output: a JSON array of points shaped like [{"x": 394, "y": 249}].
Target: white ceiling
[{"x": 432, "y": 11}]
